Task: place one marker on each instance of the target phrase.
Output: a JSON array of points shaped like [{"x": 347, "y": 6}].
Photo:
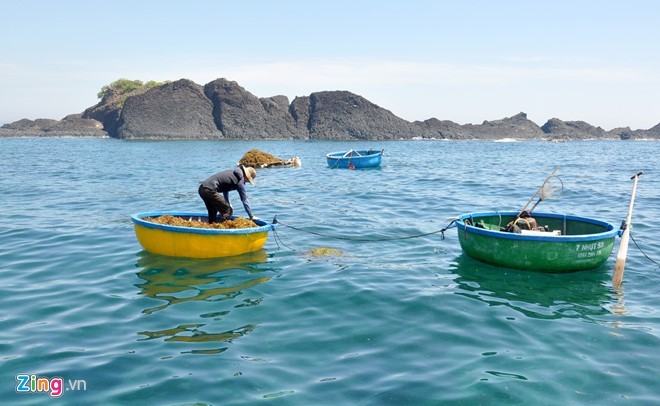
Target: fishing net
[{"x": 552, "y": 189}]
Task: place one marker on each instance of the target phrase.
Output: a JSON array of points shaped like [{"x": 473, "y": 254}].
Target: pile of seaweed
[
  {"x": 259, "y": 159},
  {"x": 238, "y": 222}
]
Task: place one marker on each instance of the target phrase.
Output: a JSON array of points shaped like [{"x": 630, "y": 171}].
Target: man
[{"x": 214, "y": 191}]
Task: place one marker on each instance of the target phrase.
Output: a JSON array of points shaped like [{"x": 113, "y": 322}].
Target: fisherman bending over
[{"x": 214, "y": 191}]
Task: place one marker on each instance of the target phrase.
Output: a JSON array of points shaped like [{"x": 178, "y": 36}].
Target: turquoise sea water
[{"x": 409, "y": 321}]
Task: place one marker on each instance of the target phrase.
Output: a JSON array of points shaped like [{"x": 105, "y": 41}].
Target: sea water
[{"x": 89, "y": 317}]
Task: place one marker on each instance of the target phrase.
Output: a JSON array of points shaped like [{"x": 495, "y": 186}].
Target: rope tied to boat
[
  {"x": 643, "y": 253},
  {"x": 624, "y": 225},
  {"x": 441, "y": 231},
  {"x": 278, "y": 239}
]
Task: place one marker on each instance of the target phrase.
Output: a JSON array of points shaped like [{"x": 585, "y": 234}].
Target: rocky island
[{"x": 222, "y": 109}]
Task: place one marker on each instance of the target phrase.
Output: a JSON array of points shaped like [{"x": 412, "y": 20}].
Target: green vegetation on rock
[{"x": 120, "y": 89}]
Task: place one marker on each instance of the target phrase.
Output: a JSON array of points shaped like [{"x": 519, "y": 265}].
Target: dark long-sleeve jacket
[{"x": 226, "y": 181}]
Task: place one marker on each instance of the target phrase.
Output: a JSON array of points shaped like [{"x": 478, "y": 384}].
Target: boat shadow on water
[
  {"x": 539, "y": 295},
  {"x": 223, "y": 281}
]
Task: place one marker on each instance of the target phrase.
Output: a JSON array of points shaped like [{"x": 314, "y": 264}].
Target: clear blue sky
[{"x": 465, "y": 61}]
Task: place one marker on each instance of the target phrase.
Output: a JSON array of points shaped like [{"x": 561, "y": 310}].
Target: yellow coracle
[{"x": 193, "y": 242}]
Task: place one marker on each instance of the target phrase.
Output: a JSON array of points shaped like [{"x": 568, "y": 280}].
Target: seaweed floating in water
[
  {"x": 259, "y": 159},
  {"x": 238, "y": 222},
  {"x": 323, "y": 252}
]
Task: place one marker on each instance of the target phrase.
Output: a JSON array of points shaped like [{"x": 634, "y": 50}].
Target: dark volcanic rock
[
  {"x": 573, "y": 130},
  {"x": 223, "y": 109},
  {"x": 70, "y": 126},
  {"x": 6, "y": 132},
  {"x": 75, "y": 123},
  {"x": 236, "y": 112},
  {"x": 278, "y": 119},
  {"x": 626, "y": 133},
  {"x": 299, "y": 110},
  {"x": 107, "y": 113},
  {"x": 653, "y": 132},
  {"x": 176, "y": 110},
  {"x": 518, "y": 127},
  {"x": 240, "y": 114},
  {"x": 445, "y": 129},
  {"x": 343, "y": 115},
  {"x": 30, "y": 125}
]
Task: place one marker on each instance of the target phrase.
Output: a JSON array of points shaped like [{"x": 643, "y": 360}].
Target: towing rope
[
  {"x": 622, "y": 228},
  {"x": 442, "y": 231},
  {"x": 278, "y": 239},
  {"x": 640, "y": 250}
]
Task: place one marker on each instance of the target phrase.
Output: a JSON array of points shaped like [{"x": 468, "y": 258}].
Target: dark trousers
[{"x": 215, "y": 203}]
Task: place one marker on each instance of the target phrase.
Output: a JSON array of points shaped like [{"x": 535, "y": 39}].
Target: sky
[{"x": 464, "y": 61}]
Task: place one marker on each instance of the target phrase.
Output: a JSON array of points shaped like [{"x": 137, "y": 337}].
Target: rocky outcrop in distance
[
  {"x": 72, "y": 125},
  {"x": 222, "y": 109}
]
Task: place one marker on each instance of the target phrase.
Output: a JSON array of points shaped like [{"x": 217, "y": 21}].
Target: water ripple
[{"x": 387, "y": 321}]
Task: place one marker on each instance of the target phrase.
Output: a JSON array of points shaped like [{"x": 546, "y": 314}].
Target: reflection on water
[
  {"x": 619, "y": 308},
  {"x": 534, "y": 294},
  {"x": 179, "y": 280}
]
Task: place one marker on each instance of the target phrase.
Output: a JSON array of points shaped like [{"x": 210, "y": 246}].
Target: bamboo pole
[{"x": 621, "y": 256}]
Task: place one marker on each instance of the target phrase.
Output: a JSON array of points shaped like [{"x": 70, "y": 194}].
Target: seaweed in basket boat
[{"x": 238, "y": 222}]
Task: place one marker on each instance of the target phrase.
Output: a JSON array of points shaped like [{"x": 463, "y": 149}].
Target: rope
[
  {"x": 624, "y": 225},
  {"x": 337, "y": 160},
  {"x": 277, "y": 237},
  {"x": 640, "y": 250},
  {"x": 442, "y": 231}
]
